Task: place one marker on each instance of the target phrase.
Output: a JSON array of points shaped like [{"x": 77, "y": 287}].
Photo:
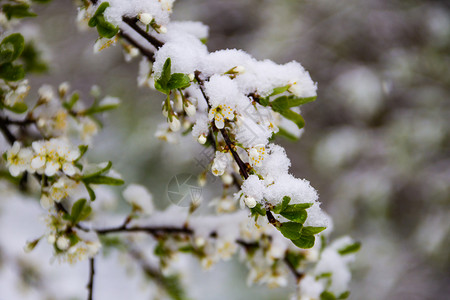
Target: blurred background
[{"x": 376, "y": 143}]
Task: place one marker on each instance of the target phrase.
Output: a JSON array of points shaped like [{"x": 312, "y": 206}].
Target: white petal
[
  {"x": 46, "y": 202},
  {"x": 219, "y": 121},
  {"x": 37, "y": 162},
  {"x": 51, "y": 168},
  {"x": 15, "y": 170},
  {"x": 69, "y": 169}
]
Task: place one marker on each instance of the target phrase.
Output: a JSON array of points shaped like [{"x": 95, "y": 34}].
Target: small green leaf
[
  {"x": 298, "y": 216},
  {"x": 106, "y": 29},
  {"x": 90, "y": 191},
  {"x": 352, "y": 248},
  {"x": 9, "y": 72},
  {"x": 94, "y": 170},
  {"x": 344, "y": 295},
  {"x": 282, "y": 206},
  {"x": 294, "y": 117},
  {"x": 279, "y": 90},
  {"x": 80, "y": 211},
  {"x": 327, "y": 296},
  {"x": 285, "y": 102},
  {"x": 305, "y": 241},
  {"x": 17, "y": 11},
  {"x": 284, "y": 133},
  {"x": 161, "y": 83},
  {"x": 98, "y": 109},
  {"x": 101, "y": 179},
  {"x": 264, "y": 101},
  {"x": 73, "y": 100},
  {"x": 11, "y": 47},
  {"x": 258, "y": 210},
  {"x": 290, "y": 230},
  {"x": 297, "y": 207},
  {"x": 100, "y": 10},
  {"x": 73, "y": 239},
  {"x": 18, "y": 108},
  {"x": 309, "y": 230},
  {"x": 178, "y": 81}
]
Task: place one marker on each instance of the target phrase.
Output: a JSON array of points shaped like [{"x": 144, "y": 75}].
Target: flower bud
[
  {"x": 145, "y": 18},
  {"x": 191, "y": 76},
  {"x": 227, "y": 179},
  {"x": 29, "y": 246},
  {"x": 162, "y": 29},
  {"x": 202, "y": 139},
  {"x": 239, "y": 70},
  {"x": 63, "y": 243},
  {"x": 175, "y": 124},
  {"x": 250, "y": 202},
  {"x": 189, "y": 108}
]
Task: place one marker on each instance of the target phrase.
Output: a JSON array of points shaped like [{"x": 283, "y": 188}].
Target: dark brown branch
[
  {"x": 144, "y": 51},
  {"x": 151, "y": 230},
  {"x": 90, "y": 285},
  {"x": 6, "y": 132},
  {"x": 151, "y": 39}
]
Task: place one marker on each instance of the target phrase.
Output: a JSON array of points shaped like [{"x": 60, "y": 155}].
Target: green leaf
[
  {"x": 294, "y": 117},
  {"x": 94, "y": 170},
  {"x": 178, "y": 81},
  {"x": 285, "y": 102},
  {"x": 18, "y": 108},
  {"x": 90, "y": 191},
  {"x": 98, "y": 109},
  {"x": 344, "y": 295},
  {"x": 9, "y": 72},
  {"x": 80, "y": 211},
  {"x": 258, "y": 210},
  {"x": 284, "y": 133},
  {"x": 297, "y": 207},
  {"x": 279, "y": 90},
  {"x": 101, "y": 179},
  {"x": 327, "y": 296},
  {"x": 352, "y": 248},
  {"x": 298, "y": 216},
  {"x": 264, "y": 101},
  {"x": 290, "y": 230},
  {"x": 73, "y": 239},
  {"x": 106, "y": 29},
  {"x": 309, "y": 230},
  {"x": 11, "y": 47},
  {"x": 305, "y": 241},
  {"x": 73, "y": 100},
  {"x": 161, "y": 83},
  {"x": 17, "y": 11},
  {"x": 282, "y": 206},
  {"x": 100, "y": 10}
]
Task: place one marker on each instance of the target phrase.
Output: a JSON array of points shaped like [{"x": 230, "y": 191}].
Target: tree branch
[
  {"x": 151, "y": 39},
  {"x": 90, "y": 285},
  {"x": 144, "y": 51}
]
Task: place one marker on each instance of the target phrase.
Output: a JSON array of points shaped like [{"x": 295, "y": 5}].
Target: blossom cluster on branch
[{"x": 229, "y": 102}]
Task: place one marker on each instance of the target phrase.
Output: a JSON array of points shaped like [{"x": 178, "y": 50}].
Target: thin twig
[
  {"x": 151, "y": 39},
  {"x": 144, "y": 51},
  {"x": 90, "y": 285},
  {"x": 151, "y": 230},
  {"x": 6, "y": 132}
]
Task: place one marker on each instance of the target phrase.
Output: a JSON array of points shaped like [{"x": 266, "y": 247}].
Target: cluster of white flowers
[
  {"x": 43, "y": 157},
  {"x": 230, "y": 102}
]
